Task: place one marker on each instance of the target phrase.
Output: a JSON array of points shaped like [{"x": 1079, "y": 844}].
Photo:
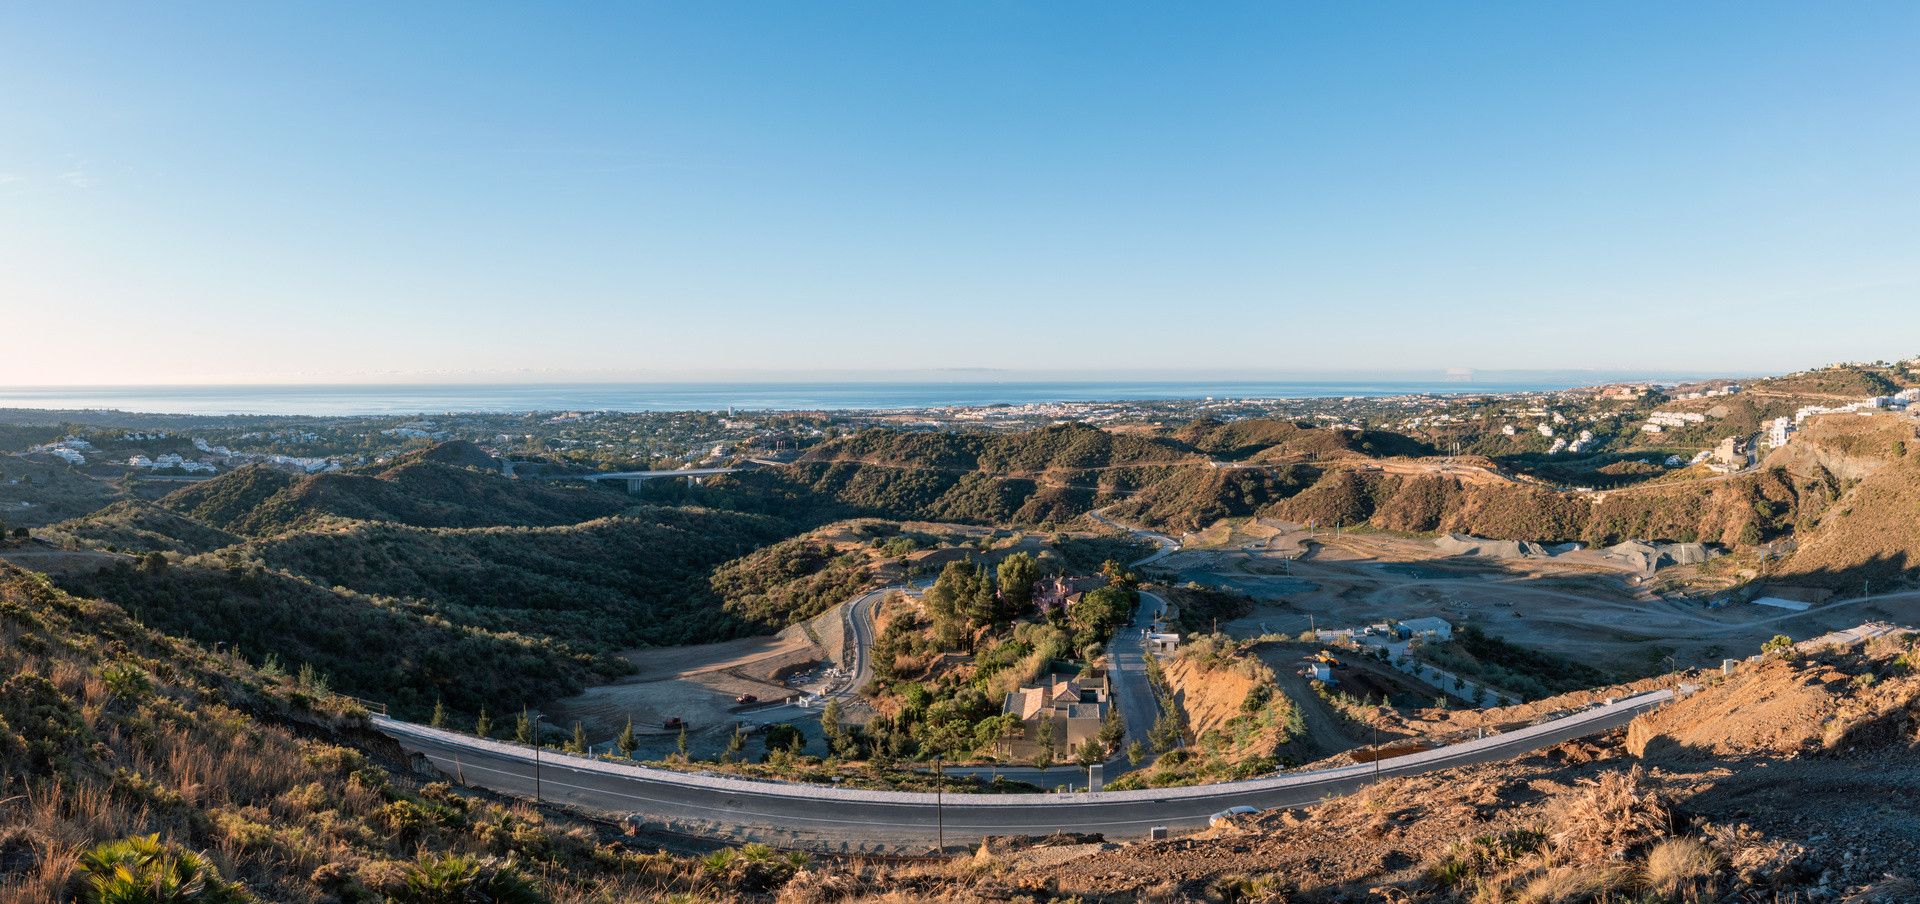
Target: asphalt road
[
  {"x": 841, "y": 819},
  {"x": 858, "y": 616}
]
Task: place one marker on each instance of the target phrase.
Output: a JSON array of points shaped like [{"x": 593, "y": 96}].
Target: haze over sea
[{"x": 420, "y": 398}]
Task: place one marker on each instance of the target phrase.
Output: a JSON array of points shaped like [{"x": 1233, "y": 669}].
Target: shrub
[
  {"x": 142, "y": 870},
  {"x": 458, "y": 879},
  {"x": 1679, "y": 867}
]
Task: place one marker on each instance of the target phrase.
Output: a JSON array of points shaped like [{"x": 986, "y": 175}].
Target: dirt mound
[
  {"x": 1648, "y": 557},
  {"x": 1837, "y": 702},
  {"x": 1464, "y": 545},
  {"x": 1211, "y": 693}
]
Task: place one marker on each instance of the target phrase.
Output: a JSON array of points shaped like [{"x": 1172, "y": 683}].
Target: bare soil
[{"x": 699, "y": 684}]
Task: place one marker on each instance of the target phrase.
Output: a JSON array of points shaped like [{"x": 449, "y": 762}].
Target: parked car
[
  {"x": 746, "y": 698},
  {"x": 675, "y": 722}
]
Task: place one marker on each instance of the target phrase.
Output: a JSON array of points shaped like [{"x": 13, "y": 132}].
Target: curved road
[{"x": 842, "y": 819}]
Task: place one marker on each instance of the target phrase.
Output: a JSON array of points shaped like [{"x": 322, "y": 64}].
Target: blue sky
[{"x": 287, "y": 192}]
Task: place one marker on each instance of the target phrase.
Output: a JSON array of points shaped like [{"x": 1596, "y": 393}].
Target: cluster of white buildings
[
  {"x": 1660, "y": 421},
  {"x": 1781, "y": 429},
  {"x": 1711, "y": 392},
  {"x": 72, "y": 450},
  {"x": 170, "y": 461}
]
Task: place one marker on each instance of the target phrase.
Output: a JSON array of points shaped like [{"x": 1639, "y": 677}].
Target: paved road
[
  {"x": 1128, "y": 658},
  {"x": 1168, "y": 545},
  {"x": 857, "y": 615},
  {"x": 841, "y": 819}
]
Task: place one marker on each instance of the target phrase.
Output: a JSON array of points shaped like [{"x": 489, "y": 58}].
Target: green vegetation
[
  {"x": 439, "y": 487},
  {"x": 143, "y": 870},
  {"x": 955, "y": 713},
  {"x": 1473, "y": 653},
  {"x": 141, "y": 768},
  {"x": 1198, "y": 608},
  {"x": 790, "y": 581}
]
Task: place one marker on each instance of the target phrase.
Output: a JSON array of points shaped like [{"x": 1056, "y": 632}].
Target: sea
[{"x": 418, "y": 398}]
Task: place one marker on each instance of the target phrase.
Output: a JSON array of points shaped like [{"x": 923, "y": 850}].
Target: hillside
[
  {"x": 35, "y": 492},
  {"x": 1866, "y": 533},
  {"x": 1267, "y": 440},
  {"x": 138, "y": 526},
  {"x": 495, "y": 617},
  {"x": 428, "y": 578},
  {"x": 1773, "y": 785},
  {"x": 1052, "y": 476},
  {"x": 1063, "y": 447},
  {"x": 255, "y": 786},
  {"x": 438, "y": 487},
  {"x": 1841, "y": 381}
]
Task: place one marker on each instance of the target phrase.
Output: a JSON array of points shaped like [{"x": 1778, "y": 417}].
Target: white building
[
  {"x": 1779, "y": 430},
  {"x": 1429, "y": 627}
]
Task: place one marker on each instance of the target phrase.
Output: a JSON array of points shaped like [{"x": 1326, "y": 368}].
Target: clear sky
[{"x": 291, "y": 192}]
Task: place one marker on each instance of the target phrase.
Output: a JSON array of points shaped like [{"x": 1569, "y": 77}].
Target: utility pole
[
  {"x": 1376, "y": 746},
  {"x": 536, "y": 756}
]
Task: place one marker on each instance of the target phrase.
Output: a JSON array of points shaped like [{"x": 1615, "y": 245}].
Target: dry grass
[
  {"x": 1681, "y": 868},
  {"x": 1610, "y": 816}
]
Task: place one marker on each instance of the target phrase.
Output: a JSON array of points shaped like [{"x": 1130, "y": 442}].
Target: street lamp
[{"x": 939, "y": 799}]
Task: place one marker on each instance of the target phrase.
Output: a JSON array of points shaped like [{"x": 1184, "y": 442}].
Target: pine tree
[
  {"x": 1043, "y": 753},
  {"x": 523, "y": 728},
  {"x": 579, "y": 742},
  {"x": 736, "y": 745},
  {"x": 830, "y": 727},
  {"x": 680, "y": 743},
  {"x": 627, "y": 743},
  {"x": 1018, "y": 575},
  {"x": 982, "y": 602},
  {"x": 483, "y": 726},
  {"x": 439, "y": 719},
  {"x": 1112, "y": 729},
  {"x": 1136, "y": 752}
]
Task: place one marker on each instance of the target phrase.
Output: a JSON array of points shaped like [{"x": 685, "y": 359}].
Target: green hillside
[
  {"x": 255, "y": 785},
  {"x": 1267, "y": 439},
  {"x": 137, "y": 526},
  {"x": 441, "y": 487}
]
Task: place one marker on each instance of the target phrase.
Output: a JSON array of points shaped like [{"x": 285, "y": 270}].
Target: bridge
[
  {"x": 693, "y": 475},
  {"x": 635, "y": 478}
]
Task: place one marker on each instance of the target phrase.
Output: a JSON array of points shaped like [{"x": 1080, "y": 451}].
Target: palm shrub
[
  {"x": 143, "y": 870},
  {"x": 463, "y": 879}
]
